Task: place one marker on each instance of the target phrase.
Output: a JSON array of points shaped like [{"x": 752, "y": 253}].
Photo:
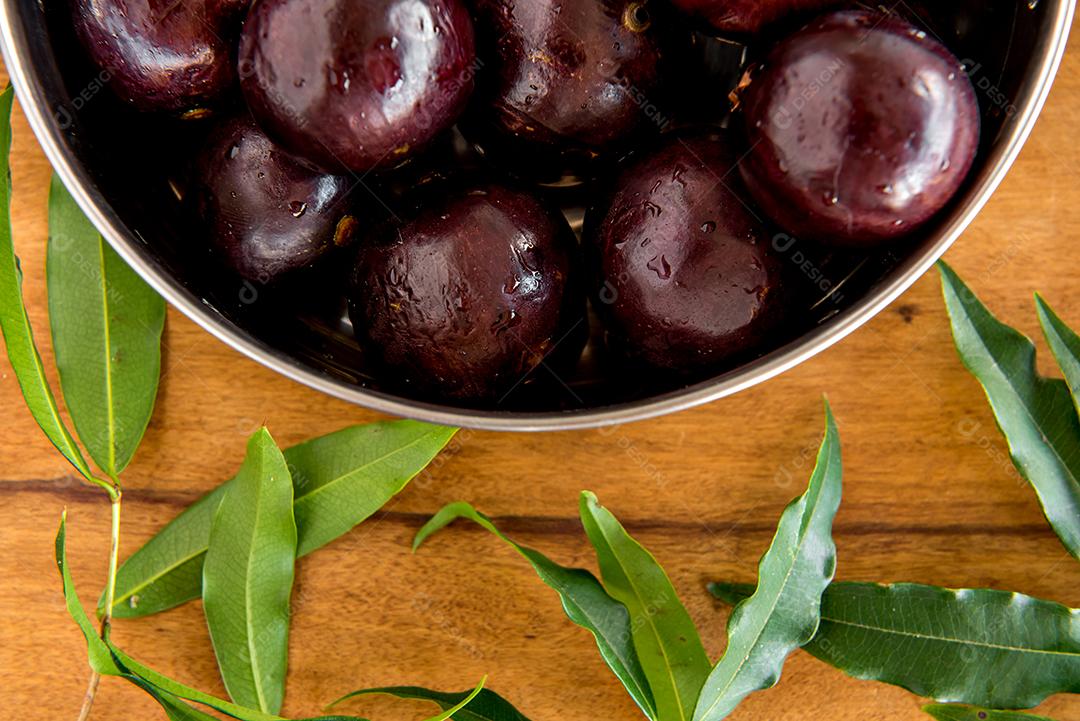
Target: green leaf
[
  {"x": 484, "y": 706},
  {"x": 584, "y": 600},
  {"x": 1064, "y": 344},
  {"x": 106, "y": 330},
  {"x": 170, "y": 695},
  {"x": 959, "y": 712},
  {"x": 667, "y": 643},
  {"x": 1036, "y": 414},
  {"x": 983, "y": 647},
  {"x": 449, "y": 712},
  {"x": 343, "y": 478},
  {"x": 15, "y": 325},
  {"x": 101, "y": 659},
  {"x": 248, "y": 577},
  {"x": 339, "y": 479},
  {"x": 784, "y": 611},
  {"x": 175, "y": 688},
  {"x": 173, "y": 706}
]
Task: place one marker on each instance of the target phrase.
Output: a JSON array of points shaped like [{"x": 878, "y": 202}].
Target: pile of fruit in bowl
[{"x": 499, "y": 200}]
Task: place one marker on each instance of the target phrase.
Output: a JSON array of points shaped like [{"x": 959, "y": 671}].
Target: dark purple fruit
[
  {"x": 357, "y": 85},
  {"x": 576, "y": 79},
  {"x": 268, "y": 215},
  {"x": 748, "y": 17},
  {"x": 468, "y": 295},
  {"x": 860, "y": 129},
  {"x": 163, "y": 55},
  {"x": 687, "y": 276}
]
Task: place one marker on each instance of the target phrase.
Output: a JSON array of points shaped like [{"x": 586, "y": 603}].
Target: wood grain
[{"x": 930, "y": 496}]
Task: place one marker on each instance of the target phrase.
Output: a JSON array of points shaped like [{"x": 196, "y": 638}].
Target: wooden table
[{"x": 930, "y": 496}]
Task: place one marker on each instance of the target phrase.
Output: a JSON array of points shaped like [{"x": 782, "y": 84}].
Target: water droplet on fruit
[
  {"x": 708, "y": 226},
  {"x": 829, "y": 197},
  {"x": 652, "y": 209},
  {"x": 234, "y": 151},
  {"x": 297, "y": 208}
]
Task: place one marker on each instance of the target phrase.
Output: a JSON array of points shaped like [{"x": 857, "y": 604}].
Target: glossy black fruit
[
  {"x": 466, "y": 296},
  {"x": 687, "y": 277},
  {"x": 564, "y": 82},
  {"x": 357, "y": 85},
  {"x": 163, "y": 55},
  {"x": 748, "y": 17},
  {"x": 860, "y": 129},
  {"x": 267, "y": 214}
]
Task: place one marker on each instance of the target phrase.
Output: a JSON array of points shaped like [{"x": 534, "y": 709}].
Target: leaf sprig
[{"x": 664, "y": 666}]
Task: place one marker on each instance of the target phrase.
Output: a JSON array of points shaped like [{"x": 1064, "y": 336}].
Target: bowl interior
[{"x": 123, "y": 169}]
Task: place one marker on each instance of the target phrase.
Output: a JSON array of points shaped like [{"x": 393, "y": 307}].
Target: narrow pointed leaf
[
  {"x": 666, "y": 640},
  {"x": 485, "y": 706},
  {"x": 959, "y": 712},
  {"x": 449, "y": 712},
  {"x": 976, "y": 646},
  {"x": 14, "y": 323},
  {"x": 101, "y": 659},
  {"x": 339, "y": 480},
  {"x": 1036, "y": 414},
  {"x": 584, "y": 600},
  {"x": 106, "y": 329},
  {"x": 175, "y": 688},
  {"x": 175, "y": 709},
  {"x": 248, "y": 577},
  {"x": 343, "y": 478},
  {"x": 476, "y": 705},
  {"x": 173, "y": 696},
  {"x": 784, "y": 610},
  {"x": 1064, "y": 344}
]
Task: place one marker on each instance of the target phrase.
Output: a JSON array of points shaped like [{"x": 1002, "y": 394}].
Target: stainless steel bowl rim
[{"x": 48, "y": 132}]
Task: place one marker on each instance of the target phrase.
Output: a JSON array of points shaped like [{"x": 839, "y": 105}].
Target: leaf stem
[
  {"x": 115, "y": 495},
  {"x": 88, "y": 699},
  {"x": 114, "y": 552}
]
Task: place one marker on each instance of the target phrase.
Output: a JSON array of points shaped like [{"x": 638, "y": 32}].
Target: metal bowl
[{"x": 1011, "y": 49}]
